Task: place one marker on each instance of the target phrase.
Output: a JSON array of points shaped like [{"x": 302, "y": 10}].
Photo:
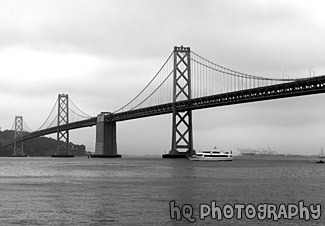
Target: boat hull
[{"x": 202, "y": 158}]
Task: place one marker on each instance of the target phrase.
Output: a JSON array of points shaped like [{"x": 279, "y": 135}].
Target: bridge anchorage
[
  {"x": 63, "y": 135},
  {"x": 106, "y": 146}
]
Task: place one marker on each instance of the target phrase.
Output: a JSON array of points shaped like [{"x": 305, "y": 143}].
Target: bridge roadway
[{"x": 300, "y": 87}]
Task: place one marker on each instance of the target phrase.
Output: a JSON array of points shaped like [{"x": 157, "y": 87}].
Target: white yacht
[{"x": 213, "y": 155}]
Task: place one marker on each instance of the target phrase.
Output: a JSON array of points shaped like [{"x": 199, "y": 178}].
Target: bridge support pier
[
  {"x": 182, "y": 131},
  {"x": 106, "y": 146}
]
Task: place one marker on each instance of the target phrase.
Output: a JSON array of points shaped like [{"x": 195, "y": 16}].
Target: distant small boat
[
  {"x": 211, "y": 156},
  {"x": 321, "y": 156}
]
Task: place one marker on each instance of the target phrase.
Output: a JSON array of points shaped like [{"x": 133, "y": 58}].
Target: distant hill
[{"x": 40, "y": 146}]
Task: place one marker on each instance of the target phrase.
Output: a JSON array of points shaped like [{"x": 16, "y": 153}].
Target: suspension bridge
[{"x": 185, "y": 82}]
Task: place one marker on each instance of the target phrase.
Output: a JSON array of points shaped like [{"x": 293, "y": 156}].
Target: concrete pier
[{"x": 105, "y": 139}]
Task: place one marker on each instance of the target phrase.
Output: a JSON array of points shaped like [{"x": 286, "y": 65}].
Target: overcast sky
[{"x": 103, "y": 52}]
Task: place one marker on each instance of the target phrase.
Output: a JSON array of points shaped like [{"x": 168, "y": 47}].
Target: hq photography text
[{"x": 262, "y": 211}]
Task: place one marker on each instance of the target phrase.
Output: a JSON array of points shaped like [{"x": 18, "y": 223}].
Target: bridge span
[{"x": 182, "y": 88}]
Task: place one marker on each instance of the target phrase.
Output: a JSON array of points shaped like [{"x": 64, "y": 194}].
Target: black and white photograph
[{"x": 162, "y": 112}]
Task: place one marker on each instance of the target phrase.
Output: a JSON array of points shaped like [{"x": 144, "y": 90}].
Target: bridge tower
[
  {"x": 63, "y": 118},
  {"x": 182, "y": 132},
  {"x": 19, "y": 130}
]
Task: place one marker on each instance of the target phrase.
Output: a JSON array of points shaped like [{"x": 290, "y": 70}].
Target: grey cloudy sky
[{"x": 102, "y": 53}]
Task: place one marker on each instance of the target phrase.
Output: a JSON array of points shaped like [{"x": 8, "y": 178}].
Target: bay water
[{"x": 156, "y": 191}]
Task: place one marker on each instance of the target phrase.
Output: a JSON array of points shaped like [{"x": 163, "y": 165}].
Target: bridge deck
[{"x": 301, "y": 87}]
